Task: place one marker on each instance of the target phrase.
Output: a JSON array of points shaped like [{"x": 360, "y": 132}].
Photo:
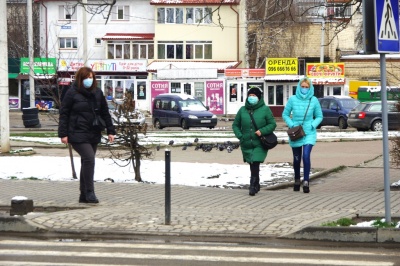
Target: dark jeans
[
  {"x": 87, "y": 151},
  {"x": 255, "y": 169},
  {"x": 297, "y": 154}
]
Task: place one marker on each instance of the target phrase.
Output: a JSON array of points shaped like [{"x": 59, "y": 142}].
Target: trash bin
[{"x": 30, "y": 117}]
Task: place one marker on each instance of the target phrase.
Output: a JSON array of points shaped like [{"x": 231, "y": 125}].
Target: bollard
[
  {"x": 21, "y": 205},
  {"x": 167, "y": 187}
]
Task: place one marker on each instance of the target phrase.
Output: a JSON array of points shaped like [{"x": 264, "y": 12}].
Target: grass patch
[
  {"x": 382, "y": 224},
  {"x": 340, "y": 222},
  {"x": 35, "y": 134}
]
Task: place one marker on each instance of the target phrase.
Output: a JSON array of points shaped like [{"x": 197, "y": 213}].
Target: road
[{"x": 70, "y": 253}]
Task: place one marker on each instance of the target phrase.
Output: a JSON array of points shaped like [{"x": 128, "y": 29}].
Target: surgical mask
[
  {"x": 304, "y": 90},
  {"x": 87, "y": 83},
  {"x": 252, "y": 100}
]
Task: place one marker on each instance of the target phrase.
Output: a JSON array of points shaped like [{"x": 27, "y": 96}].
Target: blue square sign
[{"x": 387, "y": 26}]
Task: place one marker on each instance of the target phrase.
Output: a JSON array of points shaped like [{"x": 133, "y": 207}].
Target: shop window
[
  {"x": 199, "y": 90},
  {"x": 187, "y": 88},
  {"x": 141, "y": 93},
  {"x": 233, "y": 92},
  {"x": 175, "y": 87},
  {"x": 271, "y": 95},
  {"x": 279, "y": 95},
  {"x": 337, "y": 91}
]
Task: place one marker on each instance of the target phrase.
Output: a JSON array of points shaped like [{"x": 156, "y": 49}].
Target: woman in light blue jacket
[{"x": 294, "y": 114}]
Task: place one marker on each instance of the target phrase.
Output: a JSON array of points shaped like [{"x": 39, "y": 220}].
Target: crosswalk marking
[
  {"x": 191, "y": 258},
  {"x": 180, "y": 247}
]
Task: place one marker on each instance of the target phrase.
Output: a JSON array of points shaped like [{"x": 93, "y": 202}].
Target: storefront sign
[
  {"x": 158, "y": 87},
  {"x": 194, "y": 73},
  {"x": 107, "y": 65},
  {"x": 13, "y": 102},
  {"x": 41, "y": 66},
  {"x": 215, "y": 96},
  {"x": 325, "y": 70},
  {"x": 245, "y": 72},
  {"x": 281, "y": 66}
]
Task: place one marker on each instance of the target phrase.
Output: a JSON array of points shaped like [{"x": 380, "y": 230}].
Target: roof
[
  {"x": 128, "y": 36},
  {"x": 219, "y": 65},
  {"x": 194, "y": 2}
]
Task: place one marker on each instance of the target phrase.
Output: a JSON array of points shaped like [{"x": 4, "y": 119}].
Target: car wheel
[
  {"x": 377, "y": 125},
  {"x": 184, "y": 124},
  {"x": 157, "y": 124},
  {"x": 342, "y": 123}
]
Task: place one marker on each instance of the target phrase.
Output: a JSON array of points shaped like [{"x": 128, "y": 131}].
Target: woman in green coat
[{"x": 252, "y": 150}]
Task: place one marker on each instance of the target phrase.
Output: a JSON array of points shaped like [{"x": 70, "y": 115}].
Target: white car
[{"x": 136, "y": 117}]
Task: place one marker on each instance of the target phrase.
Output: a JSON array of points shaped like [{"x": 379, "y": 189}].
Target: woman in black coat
[{"x": 77, "y": 113}]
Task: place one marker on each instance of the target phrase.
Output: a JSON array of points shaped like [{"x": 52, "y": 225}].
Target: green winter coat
[{"x": 245, "y": 131}]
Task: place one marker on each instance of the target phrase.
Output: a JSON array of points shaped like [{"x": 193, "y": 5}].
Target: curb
[
  {"x": 18, "y": 224},
  {"x": 348, "y": 234}
]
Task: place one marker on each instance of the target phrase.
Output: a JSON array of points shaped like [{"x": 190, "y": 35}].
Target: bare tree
[{"x": 127, "y": 150}]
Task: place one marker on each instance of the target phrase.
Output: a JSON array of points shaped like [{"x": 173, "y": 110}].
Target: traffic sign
[{"x": 387, "y": 26}]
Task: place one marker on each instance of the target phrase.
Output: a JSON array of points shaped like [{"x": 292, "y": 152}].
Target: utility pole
[
  {"x": 4, "y": 105},
  {"x": 84, "y": 32},
  {"x": 30, "y": 51}
]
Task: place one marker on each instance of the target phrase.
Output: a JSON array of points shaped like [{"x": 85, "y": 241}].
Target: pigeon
[
  {"x": 158, "y": 147},
  {"x": 171, "y": 142},
  {"x": 196, "y": 140},
  {"x": 229, "y": 149},
  {"x": 184, "y": 148}
]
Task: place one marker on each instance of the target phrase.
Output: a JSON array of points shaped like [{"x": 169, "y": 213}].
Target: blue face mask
[
  {"x": 87, "y": 83},
  {"x": 252, "y": 100},
  {"x": 304, "y": 90}
]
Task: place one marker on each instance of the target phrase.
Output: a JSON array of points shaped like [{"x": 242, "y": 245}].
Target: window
[
  {"x": 68, "y": 43},
  {"x": 339, "y": 10},
  {"x": 170, "y": 15},
  {"x": 120, "y": 13},
  {"x": 311, "y": 8},
  {"x": 130, "y": 50},
  {"x": 97, "y": 41},
  {"x": 199, "y": 50},
  {"x": 170, "y": 50},
  {"x": 202, "y": 15},
  {"x": 66, "y": 12},
  {"x": 175, "y": 87}
]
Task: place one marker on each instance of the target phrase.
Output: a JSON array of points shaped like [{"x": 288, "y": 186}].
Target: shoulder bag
[
  {"x": 297, "y": 132},
  {"x": 268, "y": 141},
  {"x": 98, "y": 121}
]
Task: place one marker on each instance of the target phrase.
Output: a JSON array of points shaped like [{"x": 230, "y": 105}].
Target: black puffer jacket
[{"x": 76, "y": 116}]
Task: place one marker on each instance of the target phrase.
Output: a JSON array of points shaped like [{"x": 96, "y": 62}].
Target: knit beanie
[{"x": 256, "y": 91}]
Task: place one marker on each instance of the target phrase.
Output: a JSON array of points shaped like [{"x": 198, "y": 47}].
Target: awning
[
  {"x": 12, "y": 75},
  {"x": 128, "y": 36},
  {"x": 219, "y": 65},
  {"x": 283, "y": 77},
  {"x": 25, "y": 76}
]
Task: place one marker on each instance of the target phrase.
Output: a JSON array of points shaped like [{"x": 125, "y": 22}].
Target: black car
[
  {"x": 368, "y": 115},
  {"x": 335, "y": 110}
]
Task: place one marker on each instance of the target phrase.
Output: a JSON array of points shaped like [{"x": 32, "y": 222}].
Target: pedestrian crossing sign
[{"x": 387, "y": 26}]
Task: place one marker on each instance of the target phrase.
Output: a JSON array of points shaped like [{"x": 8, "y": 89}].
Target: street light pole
[
  {"x": 321, "y": 58},
  {"x": 30, "y": 51}
]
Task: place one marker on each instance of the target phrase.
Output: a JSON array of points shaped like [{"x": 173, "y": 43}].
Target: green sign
[{"x": 41, "y": 66}]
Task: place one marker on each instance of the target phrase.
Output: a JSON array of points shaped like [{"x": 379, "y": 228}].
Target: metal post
[
  {"x": 31, "y": 54},
  {"x": 321, "y": 58},
  {"x": 167, "y": 187},
  {"x": 385, "y": 138}
]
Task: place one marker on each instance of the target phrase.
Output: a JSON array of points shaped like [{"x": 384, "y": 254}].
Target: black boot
[
  {"x": 91, "y": 197},
  {"x": 306, "y": 188},
  {"x": 297, "y": 184},
  {"x": 257, "y": 184},
  {"x": 252, "y": 188},
  {"x": 82, "y": 198}
]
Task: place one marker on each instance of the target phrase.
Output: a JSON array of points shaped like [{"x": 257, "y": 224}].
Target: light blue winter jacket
[{"x": 294, "y": 111}]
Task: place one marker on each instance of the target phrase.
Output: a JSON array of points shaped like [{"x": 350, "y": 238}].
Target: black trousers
[
  {"x": 255, "y": 169},
  {"x": 87, "y": 151}
]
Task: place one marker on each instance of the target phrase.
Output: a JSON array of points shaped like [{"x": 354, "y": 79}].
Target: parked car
[
  {"x": 176, "y": 110},
  {"x": 135, "y": 117},
  {"x": 368, "y": 115},
  {"x": 335, "y": 110}
]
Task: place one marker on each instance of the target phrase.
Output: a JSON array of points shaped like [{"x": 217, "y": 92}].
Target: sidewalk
[{"x": 138, "y": 210}]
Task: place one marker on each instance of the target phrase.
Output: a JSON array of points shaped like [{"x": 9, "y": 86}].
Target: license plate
[{"x": 205, "y": 121}]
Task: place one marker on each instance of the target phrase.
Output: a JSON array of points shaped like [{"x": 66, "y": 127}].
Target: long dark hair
[{"x": 81, "y": 74}]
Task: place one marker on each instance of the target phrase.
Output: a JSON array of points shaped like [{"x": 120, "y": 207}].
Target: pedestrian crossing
[{"x": 71, "y": 253}]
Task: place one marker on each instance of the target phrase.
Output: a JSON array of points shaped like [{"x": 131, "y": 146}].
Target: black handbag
[
  {"x": 297, "y": 132},
  {"x": 267, "y": 141},
  {"x": 98, "y": 122}
]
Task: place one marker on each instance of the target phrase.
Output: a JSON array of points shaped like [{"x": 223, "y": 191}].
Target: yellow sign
[{"x": 281, "y": 66}]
